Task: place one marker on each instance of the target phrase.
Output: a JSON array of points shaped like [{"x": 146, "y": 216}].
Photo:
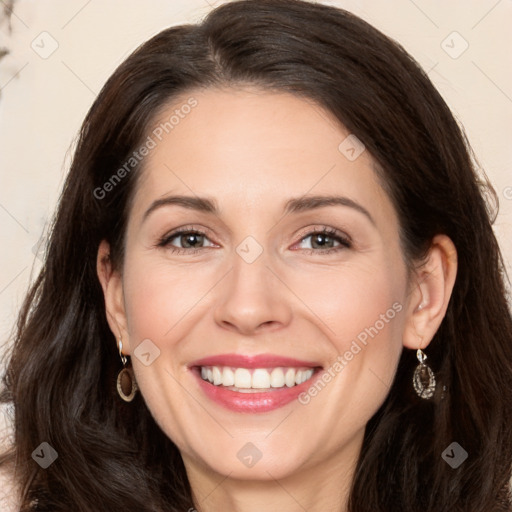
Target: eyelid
[
  {"x": 164, "y": 240},
  {"x": 343, "y": 239},
  {"x": 311, "y": 230}
]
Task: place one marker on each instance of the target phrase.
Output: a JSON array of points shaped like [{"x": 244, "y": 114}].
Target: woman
[{"x": 272, "y": 284}]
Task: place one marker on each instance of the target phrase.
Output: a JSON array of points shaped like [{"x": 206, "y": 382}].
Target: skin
[{"x": 250, "y": 151}]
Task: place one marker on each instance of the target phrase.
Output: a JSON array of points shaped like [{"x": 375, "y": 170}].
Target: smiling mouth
[
  {"x": 255, "y": 380},
  {"x": 255, "y": 383}
]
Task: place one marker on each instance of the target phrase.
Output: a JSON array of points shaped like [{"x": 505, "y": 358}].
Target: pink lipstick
[{"x": 256, "y": 383}]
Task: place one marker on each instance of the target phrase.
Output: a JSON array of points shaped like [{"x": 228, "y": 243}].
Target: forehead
[{"x": 253, "y": 149}]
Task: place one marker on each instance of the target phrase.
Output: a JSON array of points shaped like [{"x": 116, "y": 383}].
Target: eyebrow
[{"x": 294, "y": 205}]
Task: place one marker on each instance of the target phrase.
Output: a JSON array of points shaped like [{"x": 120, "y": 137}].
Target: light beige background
[{"x": 44, "y": 100}]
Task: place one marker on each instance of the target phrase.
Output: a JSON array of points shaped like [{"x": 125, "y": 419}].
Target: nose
[{"x": 254, "y": 298}]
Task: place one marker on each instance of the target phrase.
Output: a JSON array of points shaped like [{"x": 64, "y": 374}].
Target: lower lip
[{"x": 252, "y": 402}]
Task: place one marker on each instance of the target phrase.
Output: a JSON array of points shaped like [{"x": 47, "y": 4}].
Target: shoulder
[
  {"x": 9, "y": 495},
  {"x": 505, "y": 498}
]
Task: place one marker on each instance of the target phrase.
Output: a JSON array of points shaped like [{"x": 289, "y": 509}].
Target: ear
[
  {"x": 431, "y": 291},
  {"x": 112, "y": 284}
]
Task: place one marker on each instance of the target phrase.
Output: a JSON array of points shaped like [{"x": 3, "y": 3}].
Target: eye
[
  {"x": 190, "y": 240},
  {"x": 325, "y": 239}
]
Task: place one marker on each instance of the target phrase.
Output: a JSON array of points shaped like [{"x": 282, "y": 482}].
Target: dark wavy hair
[{"x": 64, "y": 361}]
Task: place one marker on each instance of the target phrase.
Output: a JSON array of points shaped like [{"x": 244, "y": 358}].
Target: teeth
[
  {"x": 217, "y": 376},
  {"x": 228, "y": 377},
  {"x": 289, "y": 378},
  {"x": 260, "y": 378},
  {"x": 242, "y": 378},
  {"x": 277, "y": 378}
]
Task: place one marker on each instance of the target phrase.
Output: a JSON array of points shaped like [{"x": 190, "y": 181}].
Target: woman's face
[{"x": 224, "y": 320}]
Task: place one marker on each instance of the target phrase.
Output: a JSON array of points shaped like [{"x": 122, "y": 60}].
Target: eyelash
[{"x": 345, "y": 242}]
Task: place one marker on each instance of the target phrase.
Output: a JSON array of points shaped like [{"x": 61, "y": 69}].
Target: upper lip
[{"x": 253, "y": 361}]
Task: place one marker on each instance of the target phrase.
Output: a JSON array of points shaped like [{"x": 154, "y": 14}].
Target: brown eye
[
  {"x": 190, "y": 241},
  {"x": 326, "y": 240}
]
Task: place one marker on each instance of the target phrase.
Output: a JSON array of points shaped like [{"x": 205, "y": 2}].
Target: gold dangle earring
[{"x": 126, "y": 385}]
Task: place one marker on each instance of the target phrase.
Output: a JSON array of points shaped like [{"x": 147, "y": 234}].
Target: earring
[
  {"x": 126, "y": 385},
  {"x": 424, "y": 380}
]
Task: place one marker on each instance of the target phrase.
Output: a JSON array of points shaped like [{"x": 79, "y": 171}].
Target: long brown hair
[{"x": 61, "y": 374}]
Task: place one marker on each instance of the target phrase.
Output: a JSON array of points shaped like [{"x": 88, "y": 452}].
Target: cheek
[
  {"x": 370, "y": 325},
  {"x": 361, "y": 311},
  {"x": 159, "y": 301},
  {"x": 355, "y": 301},
  {"x": 159, "y": 296}
]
